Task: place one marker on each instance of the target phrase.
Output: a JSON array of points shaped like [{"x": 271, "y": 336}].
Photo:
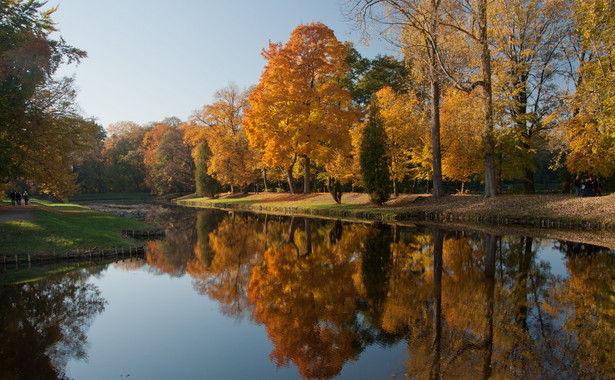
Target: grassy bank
[
  {"x": 544, "y": 211},
  {"x": 45, "y": 227}
]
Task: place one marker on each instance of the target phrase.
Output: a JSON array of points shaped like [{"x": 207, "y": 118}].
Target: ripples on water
[{"x": 252, "y": 296}]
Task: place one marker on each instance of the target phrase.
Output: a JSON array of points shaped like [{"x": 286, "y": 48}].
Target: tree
[
  {"x": 232, "y": 162},
  {"x": 40, "y": 128},
  {"x": 528, "y": 60},
  {"x": 168, "y": 161},
  {"x": 206, "y": 185},
  {"x": 374, "y": 159},
  {"x": 461, "y": 136},
  {"x": 299, "y": 109},
  {"x": 420, "y": 21},
  {"x": 124, "y": 157},
  {"x": 403, "y": 124}
]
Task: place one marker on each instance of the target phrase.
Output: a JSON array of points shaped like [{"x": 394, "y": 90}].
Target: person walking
[
  {"x": 598, "y": 191},
  {"x": 26, "y": 198},
  {"x": 13, "y": 197},
  {"x": 577, "y": 186},
  {"x": 18, "y": 198}
]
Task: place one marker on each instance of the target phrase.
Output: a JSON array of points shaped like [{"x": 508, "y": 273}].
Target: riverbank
[
  {"x": 550, "y": 211},
  {"x": 45, "y": 228}
]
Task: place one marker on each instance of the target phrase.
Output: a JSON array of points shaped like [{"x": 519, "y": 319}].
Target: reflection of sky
[
  {"x": 555, "y": 258},
  {"x": 159, "y": 327}
]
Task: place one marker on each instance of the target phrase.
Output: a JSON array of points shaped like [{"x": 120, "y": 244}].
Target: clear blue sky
[{"x": 149, "y": 59}]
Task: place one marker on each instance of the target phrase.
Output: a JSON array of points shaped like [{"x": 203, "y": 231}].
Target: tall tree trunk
[
  {"x": 434, "y": 72},
  {"x": 489, "y": 149},
  {"x": 306, "y": 175},
  {"x": 395, "y": 188},
  {"x": 291, "y": 181}
]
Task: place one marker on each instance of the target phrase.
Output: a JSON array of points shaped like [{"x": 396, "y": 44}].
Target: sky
[{"x": 152, "y": 59}]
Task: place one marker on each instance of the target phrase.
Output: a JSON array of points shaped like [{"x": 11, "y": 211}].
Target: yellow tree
[
  {"x": 403, "y": 124},
  {"x": 461, "y": 136},
  {"x": 299, "y": 109},
  {"x": 233, "y": 162}
]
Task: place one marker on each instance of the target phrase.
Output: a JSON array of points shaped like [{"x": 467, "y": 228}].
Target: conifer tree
[
  {"x": 206, "y": 185},
  {"x": 374, "y": 160}
]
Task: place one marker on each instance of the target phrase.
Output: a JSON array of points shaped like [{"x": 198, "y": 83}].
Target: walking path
[{"x": 17, "y": 213}]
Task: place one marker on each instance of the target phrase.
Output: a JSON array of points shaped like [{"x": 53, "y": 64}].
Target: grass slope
[{"x": 59, "y": 228}]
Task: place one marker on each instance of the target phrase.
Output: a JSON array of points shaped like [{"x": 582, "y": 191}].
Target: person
[
  {"x": 13, "y": 197},
  {"x": 587, "y": 187},
  {"x": 598, "y": 191},
  {"x": 577, "y": 186},
  {"x": 26, "y": 198},
  {"x": 18, "y": 198}
]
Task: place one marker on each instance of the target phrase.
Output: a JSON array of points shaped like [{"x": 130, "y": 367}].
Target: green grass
[{"x": 62, "y": 227}]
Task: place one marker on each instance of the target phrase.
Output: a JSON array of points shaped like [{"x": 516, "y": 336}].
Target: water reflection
[
  {"x": 44, "y": 324},
  {"x": 468, "y": 305},
  {"x": 463, "y": 304}
]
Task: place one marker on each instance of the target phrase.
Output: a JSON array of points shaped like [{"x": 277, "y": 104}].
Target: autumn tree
[
  {"x": 40, "y": 128},
  {"x": 403, "y": 124},
  {"x": 233, "y": 162},
  {"x": 528, "y": 62},
  {"x": 299, "y": 108},
  {"x": 461, "y": 136},
  {"x": 422, "y": 19},
  {"x": 169, "y": 164},
  {"x": 584, "y": 137}
]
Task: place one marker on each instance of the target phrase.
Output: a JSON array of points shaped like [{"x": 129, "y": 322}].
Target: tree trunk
[
  {"x": 291, "y": 181},
  {"x": 528, "y": 182},
  {"x": 566, "y": 183},
  {"x": 438, "y": 188},
  {"x": 265, "y": 179},
  {"x": 306, "y": 175},
  {"x": 490, "y": 251},
  {"x": 395, "y": 189},
  {"x": 489, "y": 149}
]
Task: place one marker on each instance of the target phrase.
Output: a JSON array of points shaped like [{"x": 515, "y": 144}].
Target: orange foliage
[{"x": 299, "y": 108}]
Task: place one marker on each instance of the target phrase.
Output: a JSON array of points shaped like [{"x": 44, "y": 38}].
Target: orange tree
[{"x": 299, "y": 108}]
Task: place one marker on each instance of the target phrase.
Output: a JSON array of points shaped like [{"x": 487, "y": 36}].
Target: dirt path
[{"x": 11, "y": 213}]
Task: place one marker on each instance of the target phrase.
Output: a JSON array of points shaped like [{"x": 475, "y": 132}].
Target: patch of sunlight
[{"x": 23, "y": 225}]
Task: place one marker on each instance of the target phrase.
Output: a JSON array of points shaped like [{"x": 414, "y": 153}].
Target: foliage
[
  {"x": 206, "y": 185},
  {"x": 299, "y": 108},
  {"x": 169, "y": 164},
  {"x": 40, "y": 128},
  {"x": 374, "y": 159},
  {"x": 232, "y": 162},
  {"x": 123, "y": 156}
]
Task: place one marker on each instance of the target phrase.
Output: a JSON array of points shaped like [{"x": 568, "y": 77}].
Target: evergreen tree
[
  {"x": 374, "y": 160},
  {"x": 205, "y": 183}
]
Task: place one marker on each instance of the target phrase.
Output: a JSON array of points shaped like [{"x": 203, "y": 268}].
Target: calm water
[{"x": 241, "y": 296}]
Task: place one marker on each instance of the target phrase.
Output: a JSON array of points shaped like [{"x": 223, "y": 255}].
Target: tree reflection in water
[
  {"x": 43, "y": 325},
  {"x": 468, "y": 305}
]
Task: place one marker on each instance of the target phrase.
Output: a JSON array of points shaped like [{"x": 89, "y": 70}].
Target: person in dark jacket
[
  {"x": 26, "y": 197},
  {"x": 13, "y": 197},
  {"x": 577, "y": 186},
  {"x": 18, "y": 198}
]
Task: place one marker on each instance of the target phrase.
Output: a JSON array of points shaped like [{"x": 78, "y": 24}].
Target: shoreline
[{"x": 561, "y": 212}]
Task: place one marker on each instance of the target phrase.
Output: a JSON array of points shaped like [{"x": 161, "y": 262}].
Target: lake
[{"x": 239, "y": 295}]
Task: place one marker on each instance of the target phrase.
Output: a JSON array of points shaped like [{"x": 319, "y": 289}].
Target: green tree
[
  {"x": 374, "y": 159},
  {"x": 37, "y": 114},
  {"x": 206, "y": 185}
]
